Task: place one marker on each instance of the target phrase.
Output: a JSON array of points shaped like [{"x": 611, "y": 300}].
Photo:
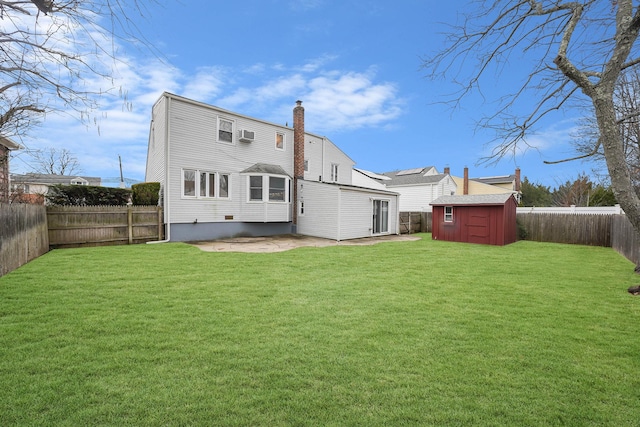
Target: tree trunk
[{"x": 611, "y": 141}]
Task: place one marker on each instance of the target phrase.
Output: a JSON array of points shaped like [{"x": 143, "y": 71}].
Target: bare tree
[
  {"x": 627, "y": 104},
  {"x": 55, "y": 161},
  {"x": 59, "y": 55},
  {"x": 572, "y": 51}
]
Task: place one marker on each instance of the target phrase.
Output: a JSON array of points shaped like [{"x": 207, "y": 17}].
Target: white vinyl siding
[
  {"x": 191, "y": 145},
  {"x": 321, "y": 153},
  {"x": 340, "y": 213}
]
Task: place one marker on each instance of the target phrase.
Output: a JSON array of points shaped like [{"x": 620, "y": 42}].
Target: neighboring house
[
  {"x": 418, "y": 187},
  {"x": 507, "y": 184},
  {"x": 32, "y": 187},
  {"x": 6, "y": 145},
  {"x": 223, "y": 174},
  {"x": 483, "y": 218}
]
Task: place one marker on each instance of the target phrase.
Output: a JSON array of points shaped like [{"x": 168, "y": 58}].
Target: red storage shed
[{"x": 489, "y": 219}]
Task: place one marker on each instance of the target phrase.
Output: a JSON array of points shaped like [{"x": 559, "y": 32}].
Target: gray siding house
[
  {"x": 223, "y": 174},
  {"x": 419, "y": 187}
]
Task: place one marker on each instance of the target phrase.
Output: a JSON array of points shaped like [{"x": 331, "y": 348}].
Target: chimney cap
[{"x": 298, "y": 102}]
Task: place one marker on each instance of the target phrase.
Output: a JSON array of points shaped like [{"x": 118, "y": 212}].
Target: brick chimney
[
  {"x": 465, "y": 185},
  {"x": 298, "y": 154},
  {"x": 447, "y": 171},
  {"x": 517, "y": 179}
]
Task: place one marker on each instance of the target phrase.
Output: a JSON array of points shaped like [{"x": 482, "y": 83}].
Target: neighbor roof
[
  {"x": 52, "y": 179},
  {"x": 9, "y": 143},
  {"x": 496, "y": 179},
  {"x": 473, "y": 199},
  {"x": 412, "y": 179}
]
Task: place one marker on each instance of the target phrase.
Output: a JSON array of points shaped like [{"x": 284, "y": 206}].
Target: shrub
[
  {"x": 87, "y": 195},
  {"x": 522, "y": 231},
  {"x": 146, "y": 193}
]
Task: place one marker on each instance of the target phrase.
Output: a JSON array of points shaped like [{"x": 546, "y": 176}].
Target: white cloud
[
  {"x": 336, "y": 100},
  {"x": 207, "y": 83}
]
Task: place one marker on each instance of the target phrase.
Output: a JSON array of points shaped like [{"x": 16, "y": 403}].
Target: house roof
[
  {"x": 52, "y": 179},
  {"x": 474, "y": 199},
  {"x": 372, "y": 175},
  {"x": 266, "y": 168},
  {"x": 492, "y": 180},
  {"x": 412, "y": 179},
  {"x": 9, "y": 143}
]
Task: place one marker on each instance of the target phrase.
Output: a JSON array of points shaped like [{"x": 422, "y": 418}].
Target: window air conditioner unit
[{"x": 247, "y": 135}]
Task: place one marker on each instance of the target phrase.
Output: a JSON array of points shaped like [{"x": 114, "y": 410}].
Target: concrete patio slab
[{"x": 289, "y": 241}]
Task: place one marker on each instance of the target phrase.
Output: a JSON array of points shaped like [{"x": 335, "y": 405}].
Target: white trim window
[
  {"x": 209, "y": 185},
  {"x": 225, "y": 130},
  {"x": 280, "y": 141},
  {"x": 255, "y": 188},
  {"x": 306, "y": 165},
  {"x": 223, "y": 185},
  {"x": 448, "y": 214},
  {"x": 189, "y": 182},
  {"x": 269, "y": 188},
  {"x": 334, "y": 172},
  {"x": 300, "y": 207}
]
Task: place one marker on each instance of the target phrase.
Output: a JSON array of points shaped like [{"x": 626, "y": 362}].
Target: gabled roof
[
  {"x": 266, "y": 168},
  {"x": 412, "y": 179},
  {"x": 474, "y": 199},
  {"x": 372, "y": 175},
  {"x": 52, "y": 179},
  {"x": 9, "y": 143},
  {"x": 492, "y": 180}
]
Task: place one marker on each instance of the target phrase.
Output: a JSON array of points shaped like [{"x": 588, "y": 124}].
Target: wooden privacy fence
[
  {"x": 624, "y": 238},
  {"x": 23, "y": 235},
  {"x": 415, "y": 222},
  {"x": 594, "y": 230},
  {"x": 76, "y": 226}
]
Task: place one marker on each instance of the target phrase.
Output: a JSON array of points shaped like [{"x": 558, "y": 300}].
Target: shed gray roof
[
  {"x": 266, "y": 168},
  {"x": 50, "y": 179},
  {"x": 473, "y": 199}
]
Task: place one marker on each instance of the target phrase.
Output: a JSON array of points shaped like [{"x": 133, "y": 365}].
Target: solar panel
[{"x": 409, "y": 171}]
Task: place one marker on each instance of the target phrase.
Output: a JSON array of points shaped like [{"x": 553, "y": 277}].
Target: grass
[{"x": 403, "y": 333}]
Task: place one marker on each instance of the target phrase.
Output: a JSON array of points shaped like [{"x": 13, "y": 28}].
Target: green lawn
[{"x": 403, "y": 333}]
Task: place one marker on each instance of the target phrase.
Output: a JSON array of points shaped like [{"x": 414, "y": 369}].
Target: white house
[
  {"x": 419, "y": 187},
  {"x": 224, "y": 174},
  {"x": 32, "y": 187}
]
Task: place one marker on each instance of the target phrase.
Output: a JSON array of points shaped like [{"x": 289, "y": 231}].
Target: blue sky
[{"x": 355, "y": 65}]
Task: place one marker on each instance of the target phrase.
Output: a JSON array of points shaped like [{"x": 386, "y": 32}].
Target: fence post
[
  {"x": 159, "y": 210},
  {"x": 130, "y": 223}
]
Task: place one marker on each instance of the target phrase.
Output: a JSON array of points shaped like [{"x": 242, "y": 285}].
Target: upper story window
[
  {"x": 448, "y": 214},
  {"x": 306, "y": 165},
  {"x": 225, "y": 130},
  {"x": 279, "y": 141},
  {"x": 334, "y": 172}
]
